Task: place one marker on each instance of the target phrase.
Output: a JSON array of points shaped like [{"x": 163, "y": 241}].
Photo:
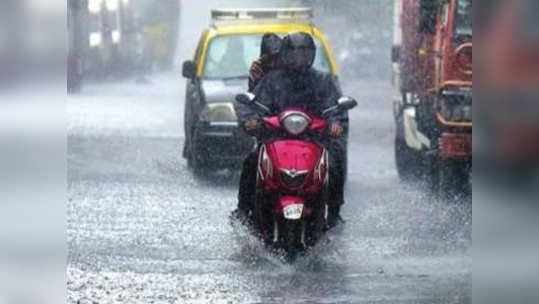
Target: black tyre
[
  {"x": 74, "y": 85},
  {"x": 432, "y": 177},
  {"x": 195, "y": 160},
  {"x": 197, "y": 167},
  {"x": 408, "y": 162},
  {"x": 292, "y": 239},
  {"x": 453, "y": 180}
]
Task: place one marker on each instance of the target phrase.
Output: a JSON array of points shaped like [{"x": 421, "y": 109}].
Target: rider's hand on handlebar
[
  {"x": 251, "y": 124},
  {"x": 336, "y": 130}
]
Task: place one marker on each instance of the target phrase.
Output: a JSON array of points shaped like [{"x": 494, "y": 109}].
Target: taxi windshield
[{"x": 231, "y": 56}]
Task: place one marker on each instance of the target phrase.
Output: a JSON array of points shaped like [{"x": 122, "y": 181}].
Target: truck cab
[{"x": 432, "y": 63}]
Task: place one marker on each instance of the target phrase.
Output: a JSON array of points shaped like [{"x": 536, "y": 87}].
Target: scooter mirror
[
  {"x": 347, "y": 103},
  {"x": 245, "y": 98}
]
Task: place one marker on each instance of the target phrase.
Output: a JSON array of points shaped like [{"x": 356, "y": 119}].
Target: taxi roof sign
[{"x": 300, "y": 13}]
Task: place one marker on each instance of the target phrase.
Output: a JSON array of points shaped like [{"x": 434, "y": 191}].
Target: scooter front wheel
[{"x": 293, "y": 238}]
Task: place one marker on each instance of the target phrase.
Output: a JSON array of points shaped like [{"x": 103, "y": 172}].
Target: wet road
[{"x": 142, "y": 229}]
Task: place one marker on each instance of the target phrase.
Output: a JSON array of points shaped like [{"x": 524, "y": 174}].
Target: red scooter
[{"x": 291, "y": 205}]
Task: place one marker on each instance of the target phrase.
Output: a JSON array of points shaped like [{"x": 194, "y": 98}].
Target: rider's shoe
[
  {"x": 334, "y": 218},
  {"x": 240, "y": 216}
]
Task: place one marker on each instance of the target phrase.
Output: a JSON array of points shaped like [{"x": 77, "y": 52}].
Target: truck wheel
[
  {"x": 432, "y": 176},
  {"x": 453, "y": 179},
  {"x": 408, "y": 161},
  {"x": 74, "y": 85},
  {"x": 197, "y": 165}
]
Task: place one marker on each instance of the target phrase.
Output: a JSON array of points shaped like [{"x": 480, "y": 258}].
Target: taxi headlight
[
  {"x": 295, "y": 123},
  {"x": 219, "y": 112}
]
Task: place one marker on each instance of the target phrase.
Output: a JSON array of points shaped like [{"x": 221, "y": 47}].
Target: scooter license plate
[{"x": 293, "y": 212}]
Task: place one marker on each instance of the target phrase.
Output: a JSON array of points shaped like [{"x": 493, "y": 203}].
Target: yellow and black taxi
[{"x": 219, "y": 71}]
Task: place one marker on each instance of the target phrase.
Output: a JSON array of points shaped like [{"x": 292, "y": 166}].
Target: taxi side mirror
[{"x": 189, "y": 69}]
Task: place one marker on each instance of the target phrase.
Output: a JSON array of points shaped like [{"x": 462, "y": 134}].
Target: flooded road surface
[{"x": 143, "y": 229}]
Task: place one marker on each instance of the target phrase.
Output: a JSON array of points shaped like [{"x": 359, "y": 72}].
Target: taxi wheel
[
  {"x": 192, "y": 161},
  {"x": 197, "y": 165}
]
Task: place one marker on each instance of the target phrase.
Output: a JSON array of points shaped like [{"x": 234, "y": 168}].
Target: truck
[
  {"x": 130, "y": 36},
  {"x": 432, "y": 103},
  {"x": 77, "y": 20},
  {"x": 105, "y": 36}
]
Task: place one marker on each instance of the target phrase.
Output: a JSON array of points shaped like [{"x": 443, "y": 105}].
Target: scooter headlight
[{"x": 296, "y": 123}]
